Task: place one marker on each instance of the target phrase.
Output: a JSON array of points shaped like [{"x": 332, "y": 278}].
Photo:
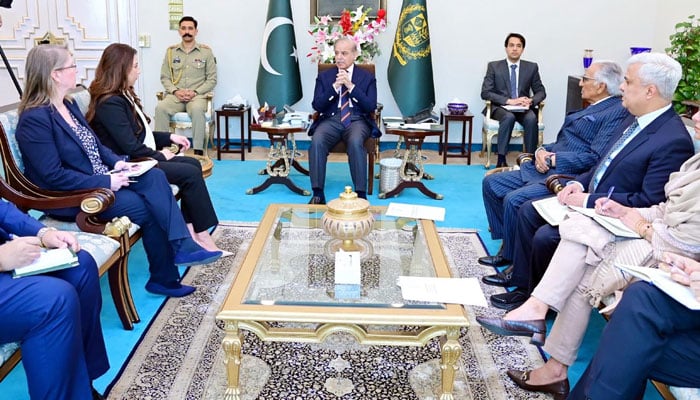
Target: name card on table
[{"x": 348, "y": 275}]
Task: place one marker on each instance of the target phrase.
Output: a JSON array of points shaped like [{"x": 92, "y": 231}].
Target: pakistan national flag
[
  {"x": 410, "y": 67},
  {"x": 278, "y": 74}
]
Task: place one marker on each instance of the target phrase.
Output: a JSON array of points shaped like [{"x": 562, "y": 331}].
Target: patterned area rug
[{"x": 180, "y": 355}]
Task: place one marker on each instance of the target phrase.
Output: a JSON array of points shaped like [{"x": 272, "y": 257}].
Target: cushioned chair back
[{"x": 9, "y": 149}]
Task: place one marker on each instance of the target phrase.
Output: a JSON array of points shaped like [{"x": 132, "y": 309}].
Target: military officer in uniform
[{"x": 188, "y": 74}]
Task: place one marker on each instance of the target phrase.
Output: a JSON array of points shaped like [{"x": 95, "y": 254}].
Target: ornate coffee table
[{"x": 285, "y": 291}]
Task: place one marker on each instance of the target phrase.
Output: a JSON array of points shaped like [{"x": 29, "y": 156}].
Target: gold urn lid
[{"x": 348, "y": 205}]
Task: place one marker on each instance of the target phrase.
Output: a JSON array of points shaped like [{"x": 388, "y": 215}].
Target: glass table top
[{"x": 295, "y": 265}]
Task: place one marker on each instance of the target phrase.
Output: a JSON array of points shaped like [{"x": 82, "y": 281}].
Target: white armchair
[{"x": 490, "y": 130}]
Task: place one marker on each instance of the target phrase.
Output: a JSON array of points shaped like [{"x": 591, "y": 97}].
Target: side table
[
  {"x": 226, "y": 146},
  {"x": 280, "y": 159},
  {"x": 464, "y": 150},
  {"x": 411, "y": 170}
]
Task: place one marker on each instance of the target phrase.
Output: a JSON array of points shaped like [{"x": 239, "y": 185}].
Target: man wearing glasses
[{"x": 580, "y": 143}]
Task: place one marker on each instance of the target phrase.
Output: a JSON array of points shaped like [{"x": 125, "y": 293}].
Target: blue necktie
[
  {"x": 345, "y": 107},
  {"x": 603, "y": 166},
  {"x": 513, "y": 82}
]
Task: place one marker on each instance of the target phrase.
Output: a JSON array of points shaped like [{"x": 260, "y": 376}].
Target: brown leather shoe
[
  {"x": 536, "y": 329},
  {"x": 559, "y": 390}
]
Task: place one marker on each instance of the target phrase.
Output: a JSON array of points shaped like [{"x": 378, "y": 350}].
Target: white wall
[{"x": 465, "y": 35}]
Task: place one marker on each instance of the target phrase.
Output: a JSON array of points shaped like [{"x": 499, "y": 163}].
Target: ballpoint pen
[{"x": 607, "y": 198}]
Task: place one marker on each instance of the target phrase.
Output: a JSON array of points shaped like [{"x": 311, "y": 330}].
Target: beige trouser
[
  {"x": 562, "y": 288},
  {"x": 196, "y": 108}
]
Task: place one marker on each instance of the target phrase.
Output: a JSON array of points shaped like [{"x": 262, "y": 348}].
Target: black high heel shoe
[{"x": 536, "y": 329}]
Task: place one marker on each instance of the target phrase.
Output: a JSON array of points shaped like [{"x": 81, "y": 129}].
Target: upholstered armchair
[
  {"x": 490, "y": 130},
  {"x": 181, "y": 123},
  {"x": 372, "y": 143}
]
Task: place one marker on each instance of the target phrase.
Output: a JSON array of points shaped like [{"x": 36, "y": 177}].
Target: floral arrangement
[{"x": 353, "y": 24}]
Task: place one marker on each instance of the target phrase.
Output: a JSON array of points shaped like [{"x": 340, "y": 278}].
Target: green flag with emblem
[
  {"x": 410, "y": 70},
  {"x": 278, "y": 74}
]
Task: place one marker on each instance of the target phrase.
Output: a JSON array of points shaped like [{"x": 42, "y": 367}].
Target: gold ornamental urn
[{"x": 348, "y": 220}]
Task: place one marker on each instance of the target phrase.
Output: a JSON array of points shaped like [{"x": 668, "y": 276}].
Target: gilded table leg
[
  {"x": 451, "y": 351},
  {"x": 233, "y": 341}
]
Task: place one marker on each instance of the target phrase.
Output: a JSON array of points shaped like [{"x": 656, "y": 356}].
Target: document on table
[
  {"x": 416, "y": 211},
  {"x": 551, "y": 210},
  {"x": 442, "y": 290},
  {"x": 662, "y": 280}
]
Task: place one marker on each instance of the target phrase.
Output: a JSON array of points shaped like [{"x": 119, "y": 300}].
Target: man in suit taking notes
[
  {"x": 581, "y": 142},
  {"x": 345, "y": 98},
  {"x": 513, "y": 82},
  {"x": 649, "y": 145}
]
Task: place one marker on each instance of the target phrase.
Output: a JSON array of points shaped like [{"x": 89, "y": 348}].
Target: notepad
[
  {"x": 551, "y": 210},
  {"x": 140, "y": 168},
  {"x": 662, "y": 280},
  {"x": 49, "y": 260},
  {"x": 613, "y": 225}
]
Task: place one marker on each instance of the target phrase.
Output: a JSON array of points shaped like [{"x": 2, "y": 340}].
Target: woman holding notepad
[
  {"x": 582, "y": 271},
  {"x": 116, "y": 115},
  {"x": 61, "y": 152}
]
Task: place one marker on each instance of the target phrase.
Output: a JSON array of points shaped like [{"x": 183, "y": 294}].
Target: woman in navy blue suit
[
  {"x": 117, "y": 117},
  {"x": 55, "y": 316},
  {"x": 61, "y": 152}
]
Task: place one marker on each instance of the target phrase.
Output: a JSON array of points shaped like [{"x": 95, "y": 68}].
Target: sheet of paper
[
  {"x": 442, "y": 290},
  {"x": 551, "y": 210},
  {"x": 515, "y": 108},
  {"x": 425, "y": 126},
  {"x": 416, "y": 211}
]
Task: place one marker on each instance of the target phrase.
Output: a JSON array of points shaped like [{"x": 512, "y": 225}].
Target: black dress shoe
[
  {"x": 317, "y": 200},
  {"x": 536, "y": 329},
  {"x": 510, "y": 300},
  {"x": 494, "y": 261},
  {"x": 499, "y": 279},
  {"x": 96, "y": 395},
  {"x": 501, "y": 163},
  {"x": 559, "y": 390}
]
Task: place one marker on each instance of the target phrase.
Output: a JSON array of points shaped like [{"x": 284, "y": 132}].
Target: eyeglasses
[
  {"x": 68, "y": 67},
  {"x": 586, "y": 78}
]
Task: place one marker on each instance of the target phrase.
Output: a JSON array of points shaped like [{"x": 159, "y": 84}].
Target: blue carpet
[{"x": 460, "y": 185}]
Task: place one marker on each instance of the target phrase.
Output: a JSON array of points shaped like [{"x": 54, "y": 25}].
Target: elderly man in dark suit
[
  {"x": 513, "y": 82},
  {"x": 345, "y": 97},
  {"x": 649, "y": 145},
  {"x": 580, "y": 144}
]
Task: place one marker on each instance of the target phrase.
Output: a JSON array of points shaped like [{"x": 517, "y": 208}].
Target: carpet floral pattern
[{"x": 180, "y": 355}]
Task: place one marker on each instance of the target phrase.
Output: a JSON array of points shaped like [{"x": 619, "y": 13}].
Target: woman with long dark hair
[{"x": 116, "y": 115}]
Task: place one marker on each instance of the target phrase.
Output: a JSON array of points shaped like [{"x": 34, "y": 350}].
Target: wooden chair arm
[
  {"x": 524, "y": 157},
  {"x": 554, "y": 184},
  {"x": 488, "y": 109}
]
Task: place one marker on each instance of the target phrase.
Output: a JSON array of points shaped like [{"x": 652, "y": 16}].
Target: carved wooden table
[{"x": 281, "y": 158}]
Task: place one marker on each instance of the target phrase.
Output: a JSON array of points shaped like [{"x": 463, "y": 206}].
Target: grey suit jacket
[{"x": 496, "y": 86}]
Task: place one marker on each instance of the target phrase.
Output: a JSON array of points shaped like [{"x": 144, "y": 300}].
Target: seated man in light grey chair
[
  {"x": 188, "y": 74},
  {"x": 513, "y": 82}
]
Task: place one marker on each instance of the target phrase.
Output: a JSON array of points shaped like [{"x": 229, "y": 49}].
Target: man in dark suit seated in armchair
[
  {"x": 345, "y": 97},
  {"x": 513, "y": 82},
  {"x": 648, "y": 147},
  {"x": 581, "y": 142}
]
